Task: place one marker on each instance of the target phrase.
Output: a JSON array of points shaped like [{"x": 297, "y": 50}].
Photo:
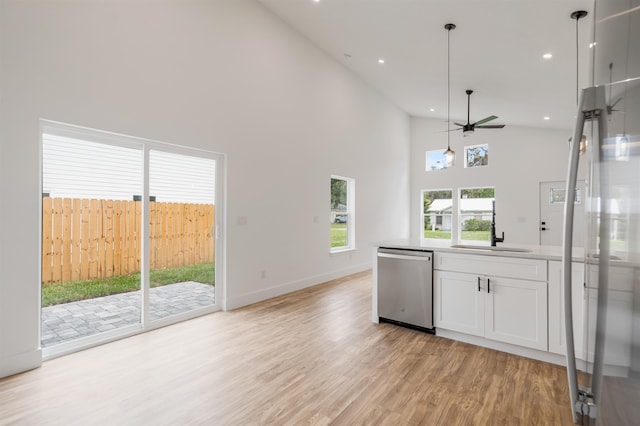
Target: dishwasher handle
[{"x": 404, "y": 257}]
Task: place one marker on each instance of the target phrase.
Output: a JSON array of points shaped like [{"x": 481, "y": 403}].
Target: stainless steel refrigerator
[{"x": 602, "y": 328}]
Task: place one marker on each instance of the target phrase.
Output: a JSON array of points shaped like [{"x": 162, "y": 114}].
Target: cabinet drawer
[{"x": 509, "y": 267}]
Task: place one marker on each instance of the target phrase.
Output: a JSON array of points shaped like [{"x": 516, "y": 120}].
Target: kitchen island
[{"x": 510, "y": 298}]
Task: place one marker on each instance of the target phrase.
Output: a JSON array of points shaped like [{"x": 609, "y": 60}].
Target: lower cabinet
[{"x": 503, "y": 309}]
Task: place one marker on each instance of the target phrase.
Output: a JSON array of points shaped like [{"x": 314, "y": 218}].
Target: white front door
[{"x": 552, "y": 212}]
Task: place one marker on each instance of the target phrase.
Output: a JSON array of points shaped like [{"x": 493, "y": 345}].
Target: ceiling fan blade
[
  {"x": 446, "y": 131},
  {"x": 490, "y": 126},
  {"x": 484, "y": 120},
  {"x": 459, "y": 124}
]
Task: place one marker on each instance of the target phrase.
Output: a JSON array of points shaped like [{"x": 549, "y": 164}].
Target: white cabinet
[
  {"x": 459, "y": 306},
  {"x": 556, "y": 309},
  {"x": 499, "y": 298}
]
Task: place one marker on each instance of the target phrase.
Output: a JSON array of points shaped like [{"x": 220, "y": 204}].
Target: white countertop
[{"x": 532, "y": 251}]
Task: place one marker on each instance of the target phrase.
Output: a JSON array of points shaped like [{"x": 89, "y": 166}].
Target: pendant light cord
[
  {"x": 448, "y": 89},
  {"x": 577, "y": 60},
  {"x": 577, "y": 15}
]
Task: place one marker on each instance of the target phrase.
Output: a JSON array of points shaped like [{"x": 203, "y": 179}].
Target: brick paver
[{"x": 68, "y": 321}]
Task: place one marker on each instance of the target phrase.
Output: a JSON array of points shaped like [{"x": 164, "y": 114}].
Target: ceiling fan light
[{"x": 467, "y": 132}]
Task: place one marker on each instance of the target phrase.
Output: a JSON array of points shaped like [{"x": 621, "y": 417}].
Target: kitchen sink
[{"x": 490, "y": 248}]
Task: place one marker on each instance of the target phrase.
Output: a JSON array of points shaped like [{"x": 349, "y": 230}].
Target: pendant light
[
  {"x": 450, "y": 155},
  {"x": 577, "y": 15}
]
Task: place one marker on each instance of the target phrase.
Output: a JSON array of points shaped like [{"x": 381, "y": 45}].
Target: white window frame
[
  {"x": 351, "y": 216},
  {"x": 466, "y": 156},
  {"x": 423, "y": 215},
  {"x": 459, "y": 215},
  {"x": 426, "y": 160}
]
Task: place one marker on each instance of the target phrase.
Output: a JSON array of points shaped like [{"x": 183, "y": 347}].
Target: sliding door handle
[
  {"x": 478, "y": 283},
  {"x": 488, "y": 285}
]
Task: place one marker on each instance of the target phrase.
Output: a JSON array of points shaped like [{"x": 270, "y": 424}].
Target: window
[
  {"x": 437, "y": 209},
  {"x": 436, "y": 160},
  {"x": 476, "y": 209},
  {"x": 342, "y": 214},
  {"x": 476, "y": 155}
]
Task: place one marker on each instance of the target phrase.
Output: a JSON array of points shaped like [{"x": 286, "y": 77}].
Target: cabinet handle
[
  {"x": 488, "y": 285},
  {"x": 478, "y": 283}
]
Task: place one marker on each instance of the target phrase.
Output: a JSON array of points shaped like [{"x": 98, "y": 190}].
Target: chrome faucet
[{"x": 494, "y": 239}]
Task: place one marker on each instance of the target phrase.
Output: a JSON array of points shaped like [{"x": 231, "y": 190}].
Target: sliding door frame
[{"x": 144, "y": 146}]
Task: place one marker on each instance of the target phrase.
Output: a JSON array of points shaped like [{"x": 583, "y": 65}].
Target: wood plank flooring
[{"x": 310, "y": 357}]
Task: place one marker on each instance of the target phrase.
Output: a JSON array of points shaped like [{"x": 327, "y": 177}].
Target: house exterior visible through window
[
  {"x": 437, "y": 214},
  {"x": 342, "y": 214},
  {"x": 476, "y": 208}
]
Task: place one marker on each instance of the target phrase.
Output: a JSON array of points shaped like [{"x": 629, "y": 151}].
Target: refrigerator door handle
[
  {"x": 592, "y": 105},
  {"x": 567, "y": 255}
]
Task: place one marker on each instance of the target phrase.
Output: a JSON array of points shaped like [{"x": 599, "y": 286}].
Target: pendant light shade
[{"x": 450, "y": 155}]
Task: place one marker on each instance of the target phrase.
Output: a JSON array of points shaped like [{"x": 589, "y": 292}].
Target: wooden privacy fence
[{"x": 88, "y": 239}]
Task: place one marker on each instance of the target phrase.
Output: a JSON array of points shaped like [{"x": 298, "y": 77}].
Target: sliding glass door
[
  {"x": 128, "y": 235},
  {"x": 181, "y": 233}
]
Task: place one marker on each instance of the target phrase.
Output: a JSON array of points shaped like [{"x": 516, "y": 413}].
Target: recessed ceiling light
[
  {"x": 316, "y": 1},
  {"x": 547, "y": 56},
  {"x": 432, "y": 109},
  {"x": 381, "y": 61},
  {"x": 547, "y": 118}
]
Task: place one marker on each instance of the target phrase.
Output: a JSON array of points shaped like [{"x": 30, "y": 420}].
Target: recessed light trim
[
  {"x": 381, "y": 61},
  {"x": 546, "y": 117},
  {"x": 547, "y": 56}
]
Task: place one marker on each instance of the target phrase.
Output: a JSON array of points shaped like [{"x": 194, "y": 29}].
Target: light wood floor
[{"x": 311, "y": 357}]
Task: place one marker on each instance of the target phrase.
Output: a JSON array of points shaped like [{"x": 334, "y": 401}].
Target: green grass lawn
[
  {"x": 438, "y": 235},
  {"x": 466, "y": 235},
  {"x": 476, "y": 235},
  {"x": 71, "y": 291},
  {"x": 338, "y": 234}
]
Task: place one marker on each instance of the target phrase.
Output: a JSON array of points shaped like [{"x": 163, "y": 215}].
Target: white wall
[
  {"x": 223, "y": 75},
  {"x": 519, "y": 159}
]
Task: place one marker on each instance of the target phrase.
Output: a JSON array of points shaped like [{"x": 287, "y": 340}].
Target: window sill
[{"x": 341, "y": 251}]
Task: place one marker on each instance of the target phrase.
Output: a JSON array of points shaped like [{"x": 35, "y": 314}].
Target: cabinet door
[
  {"x": 516, "y": 312},
  {"x": 556, "y": 309},
  {"x": 459, "y": 306}
]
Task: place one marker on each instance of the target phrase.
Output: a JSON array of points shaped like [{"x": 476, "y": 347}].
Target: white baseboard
[
  {"x": 279, "y": 290},
  {"x": 19, "y": 363}
]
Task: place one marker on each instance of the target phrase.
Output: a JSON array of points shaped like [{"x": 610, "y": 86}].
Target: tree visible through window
[{"x": 477, "y": 155}]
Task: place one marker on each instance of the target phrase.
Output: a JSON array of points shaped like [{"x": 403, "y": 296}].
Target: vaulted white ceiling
[{"x": 496, "y": 50}]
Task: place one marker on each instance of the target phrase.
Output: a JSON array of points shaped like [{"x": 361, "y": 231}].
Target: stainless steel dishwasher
[{"x": 405, "y": 288}]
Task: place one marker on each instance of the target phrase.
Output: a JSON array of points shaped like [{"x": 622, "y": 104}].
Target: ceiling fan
[{"x": 468, "y": 129}]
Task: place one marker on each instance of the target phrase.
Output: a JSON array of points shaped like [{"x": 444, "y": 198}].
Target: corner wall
[{"x": 225, "y": 76}]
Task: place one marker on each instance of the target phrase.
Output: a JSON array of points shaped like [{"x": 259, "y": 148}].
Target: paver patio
[{"x": 69, "y": 321}]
